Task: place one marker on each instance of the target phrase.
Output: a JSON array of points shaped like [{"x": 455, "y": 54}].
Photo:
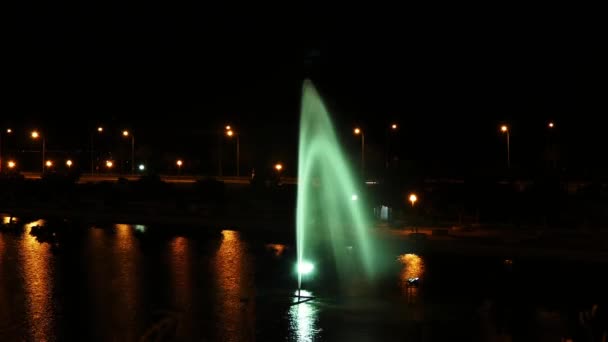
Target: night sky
[{"x": 175, "y": 75}]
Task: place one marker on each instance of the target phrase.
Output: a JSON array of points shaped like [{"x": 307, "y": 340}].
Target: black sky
[{"x": 183, "y": 70}]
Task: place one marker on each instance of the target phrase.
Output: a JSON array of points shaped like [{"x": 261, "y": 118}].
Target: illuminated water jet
[{"x": 331, "y": 216}]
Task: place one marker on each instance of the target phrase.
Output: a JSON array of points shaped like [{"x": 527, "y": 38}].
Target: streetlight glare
[
  {"x": 142, "y": 167},
  {"x": 394, "y": 126},
  {"x": 125, "y": 133},
  {"x": 551, "y": 124},
  {"x": 278, "y": 166},
  {"x": 8, "y": 130},
  {"x": 99, "y": 129},
  {"x": 228, "y": 128},
  {"x": 68, "y": 163},
  {"x": 35, "y": 134},
  {"x": 230, "y": 133},
  {"x": 357, "y": 130},
  {"x": 179, "y": 162},
  {"x": 49, "y": 163},
  {"x": 109, "y": 164},
  {"x": 11, "y": 164},
  {"x": 504, "y": 128},
  {"x": 413, "y": 198}
]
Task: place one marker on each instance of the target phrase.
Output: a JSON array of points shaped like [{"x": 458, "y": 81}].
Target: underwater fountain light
[{"x": 305, "y": 267}]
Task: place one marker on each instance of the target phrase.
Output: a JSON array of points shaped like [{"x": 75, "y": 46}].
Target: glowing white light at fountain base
[{"x": 304, "y": 267}]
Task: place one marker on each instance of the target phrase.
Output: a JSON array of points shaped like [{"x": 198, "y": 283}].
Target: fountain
[{"x": 331, "y": 215}]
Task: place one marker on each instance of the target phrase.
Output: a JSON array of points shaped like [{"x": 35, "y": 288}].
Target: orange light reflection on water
[
  {"x": 413, "y": 267},
  {"x": 235, "y": 295},
  {"x": 276, "y": 248},
  {"x": 38, "y": 282}
]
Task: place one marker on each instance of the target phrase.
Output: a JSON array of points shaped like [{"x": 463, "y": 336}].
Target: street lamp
[
  {"x": 126, "y": 133},
  {"x": 36, "y": 135},
  {"x": 179, "y": 164},
  {"x": 68, "y": 163},
  {"x": 551, "y": 124},
  {"x": 413, "y": 198},
  {"x": 11, "y": 164},
  {"x": 393, "y": 128},
  {"x": 505, "y": 129},
  {"x": 359, "y": 131},
  {"x": 231, "y": 133},
  {"x": 49, "y": 163},
  {"x": 109, "y": 164},
  {"x": 99, "y": 130},
  {"x": 8, "y": 131},
  {"x": 278, "y": 167}
]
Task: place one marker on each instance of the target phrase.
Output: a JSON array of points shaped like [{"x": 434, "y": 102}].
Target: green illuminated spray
[{"x": 330, "y": 216}]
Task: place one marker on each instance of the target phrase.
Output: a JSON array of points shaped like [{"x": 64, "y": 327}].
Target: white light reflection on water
[{"x": 303, "y": 319}]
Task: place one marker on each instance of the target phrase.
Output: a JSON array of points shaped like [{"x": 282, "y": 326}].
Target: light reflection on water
[
  {"x": 303, "y": 318},
  {"x": 276, "y": 248},
  {"x": 38, "y": 281},
  {"x": 235, "y": 295},
  {"x": 413, "y": 267}
]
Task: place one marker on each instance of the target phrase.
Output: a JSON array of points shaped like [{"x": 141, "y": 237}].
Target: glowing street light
[
  {"x": 142, "y": 167},
  {"x": 413, "y": 198},
  {"x": 8, "y": 131},
  {"x": 36, "y": 135},
  {"x": 278, "y": 167},
  {"x": 68, "y": 163},
  {"x": 99, "y": 130},
  {"x": 109, "y": 164},
  {"x": 393, "y": 128},
  {"x": 551, "y": 124},
  {"x": 125, "y": 134},
  {"x": 359, "y": 131},
  {"x": 179, "y": 164},
  {"x": 505, "y": 129},
  {"x": 11, "y": 164},
  {"x": 49, "y": 163},
  {"x": 231, "y": 133}
]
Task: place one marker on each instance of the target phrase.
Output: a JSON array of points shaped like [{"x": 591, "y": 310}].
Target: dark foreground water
[{"x": 133, "y": 282}]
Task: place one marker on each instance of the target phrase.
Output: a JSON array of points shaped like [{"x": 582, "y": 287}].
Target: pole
[
  {"x": 508, "y": 151},
  {"x": 92, "y": 156},
  {"x": 43, "y": 153},
  {"x": 362, "y": 154},
  {"x": 1, "y": 152},
  {"x": 132, "y": 154},
  {"x": 219, "y": 154},
  {"x": 237, "y": 155}
]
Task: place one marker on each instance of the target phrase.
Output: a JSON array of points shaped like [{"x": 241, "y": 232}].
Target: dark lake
[{"x": 118, "y": 282}]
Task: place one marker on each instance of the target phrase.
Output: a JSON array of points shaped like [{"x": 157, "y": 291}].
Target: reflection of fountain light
[
  {"x": 38, "y": 279},
  {"x": 140, "y": 228},
  {"x": 276, "y": 248},
  {"x": 303, "y": 319}
]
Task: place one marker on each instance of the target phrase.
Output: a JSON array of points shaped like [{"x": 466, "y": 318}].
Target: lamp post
[
  {"x": 231, "y": 133},
  {"x": 359, "y": 131},
  {"x": 8, "y": 131},
  {"x": 413, "y": 198},
  {"x": 505, "y": 129},
  {"x": 393, "y": 127},
  {"x": 179, "y": 164},
  {"x": 126, "y": 133},
  {"x": 99, "y": 130},
  {"x": 36, "y": 135}
]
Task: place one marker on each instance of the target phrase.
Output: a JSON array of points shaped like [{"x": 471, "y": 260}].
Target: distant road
[{"x": 96, "y": 178}]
